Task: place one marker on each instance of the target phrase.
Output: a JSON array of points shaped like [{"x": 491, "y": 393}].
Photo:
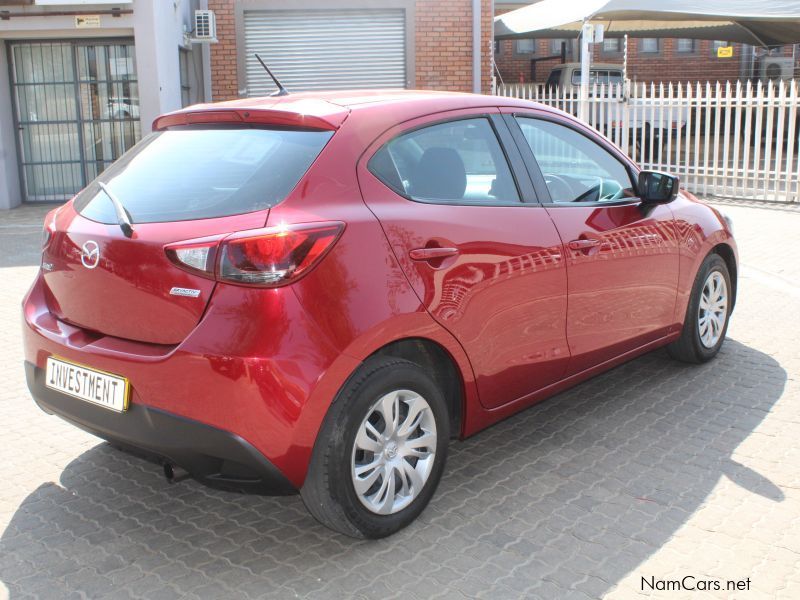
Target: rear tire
[
  {"x": 369, "y": 477},
  {"x": 708, "y": 313}
]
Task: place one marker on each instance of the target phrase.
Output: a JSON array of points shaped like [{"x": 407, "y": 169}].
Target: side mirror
[{"x": 657, "y": 188}]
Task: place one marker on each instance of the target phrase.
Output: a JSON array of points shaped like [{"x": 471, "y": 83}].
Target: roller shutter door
[{"x": 326, "y": 49}]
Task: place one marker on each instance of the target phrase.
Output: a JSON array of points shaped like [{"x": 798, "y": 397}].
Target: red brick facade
[
  {"x": 442, "y": 46},
  {"x": 224, "y": 80}
]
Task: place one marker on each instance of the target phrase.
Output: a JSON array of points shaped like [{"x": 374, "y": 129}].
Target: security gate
[{"x": 77, "y": 110}]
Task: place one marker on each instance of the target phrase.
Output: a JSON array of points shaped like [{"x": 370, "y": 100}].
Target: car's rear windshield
[{"x": 200, "y": 173}]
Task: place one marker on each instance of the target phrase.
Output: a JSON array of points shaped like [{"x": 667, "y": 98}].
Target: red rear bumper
[{"x": 243, "y": 371}]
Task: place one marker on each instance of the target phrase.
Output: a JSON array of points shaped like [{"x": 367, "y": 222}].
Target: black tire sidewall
[
  {"x": 713, "y": 262},
  {"x": 404, "y": 375}
]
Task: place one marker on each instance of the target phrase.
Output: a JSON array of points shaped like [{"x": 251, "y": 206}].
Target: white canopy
[{"x": 760, "y": 22}]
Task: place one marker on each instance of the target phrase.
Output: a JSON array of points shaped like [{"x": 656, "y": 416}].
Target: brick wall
[
  {"x": 666, "y": 65},
  {"x": 224, "y": 82},
  {"x": 443, "y": 46},
  {"x": 670, "y": 65}
]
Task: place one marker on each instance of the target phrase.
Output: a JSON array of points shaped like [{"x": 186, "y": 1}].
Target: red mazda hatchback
[{"x": 314, "y": 293}]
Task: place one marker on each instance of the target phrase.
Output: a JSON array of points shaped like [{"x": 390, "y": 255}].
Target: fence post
[
  {"x": 792, "y": 179},
  {"x": 717, "y": 100},
  {"x": 748, "y": 130},
  {"x": 768, "y": 137},
  {"x": 688, "y": 147},
  {"x": 726, "y": 139},
  {"x": 737, "y": 127},
  {"x": 780, "y": 131}
]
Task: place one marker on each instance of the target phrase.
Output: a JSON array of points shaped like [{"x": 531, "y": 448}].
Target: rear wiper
[{"x": 123, "y": 216}]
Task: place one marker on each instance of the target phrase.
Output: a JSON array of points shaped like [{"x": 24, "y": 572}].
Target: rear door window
[
  {"x": 200, "y": 173},
  {"x": 458, "y": 162}
]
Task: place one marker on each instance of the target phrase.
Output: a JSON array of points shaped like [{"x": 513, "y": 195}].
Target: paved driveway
[{"x": 654, "y": 470}]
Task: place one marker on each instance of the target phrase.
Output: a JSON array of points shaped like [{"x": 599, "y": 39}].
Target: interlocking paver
[{"x": 654, "y": 469}]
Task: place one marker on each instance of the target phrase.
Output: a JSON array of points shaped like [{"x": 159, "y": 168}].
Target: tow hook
[{"x": 174, "y": 474}]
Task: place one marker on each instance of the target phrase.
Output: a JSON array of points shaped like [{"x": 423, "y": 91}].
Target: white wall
[
  {"x": 10, "y": 195},
  {"x": 159, "y": 26}
]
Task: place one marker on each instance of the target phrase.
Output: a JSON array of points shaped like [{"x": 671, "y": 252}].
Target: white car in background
[{"x": 120, "y": 108}]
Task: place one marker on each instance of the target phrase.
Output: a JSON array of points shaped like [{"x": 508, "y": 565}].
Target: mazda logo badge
[{"x": 90, "y": 254}]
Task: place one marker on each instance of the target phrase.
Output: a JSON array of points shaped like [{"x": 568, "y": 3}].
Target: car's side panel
[
  {"x": 475, "y": 421},
  {"x": 621, "y": 292},
  {"x": 622, "y": 258},
  {"x": 699, "y": 228},
  {"x": 503, "y": 296},
  {"x": 358, "y": 296}
]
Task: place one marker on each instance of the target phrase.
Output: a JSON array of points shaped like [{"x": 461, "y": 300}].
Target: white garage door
[{"x": 326, "y": 49}]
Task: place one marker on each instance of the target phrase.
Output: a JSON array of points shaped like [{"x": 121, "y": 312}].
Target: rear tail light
[
  {"x": 268, "y": 257},
  {"x": 196, "y": 256}
]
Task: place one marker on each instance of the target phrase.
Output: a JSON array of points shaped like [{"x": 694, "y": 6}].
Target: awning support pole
[{"x": 587, "y": 34}]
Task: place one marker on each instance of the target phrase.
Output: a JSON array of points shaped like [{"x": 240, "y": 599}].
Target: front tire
[
  {"x": 707, "y": 315},
  {"x": 381, "y": 450}
]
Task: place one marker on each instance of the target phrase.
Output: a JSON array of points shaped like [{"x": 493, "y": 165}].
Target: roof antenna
[{"x": 282, "y": 91}]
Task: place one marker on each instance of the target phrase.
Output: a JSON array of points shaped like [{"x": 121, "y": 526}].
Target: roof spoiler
[{"x": 266, "y": 116}]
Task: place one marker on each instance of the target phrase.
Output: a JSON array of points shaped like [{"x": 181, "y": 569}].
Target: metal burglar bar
[
  {"x": 737, "y": 139},
  {"x": 77, "y": 110}
]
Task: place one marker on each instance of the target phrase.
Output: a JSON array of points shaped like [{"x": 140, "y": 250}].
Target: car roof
[{"x": 329, "y": 109}]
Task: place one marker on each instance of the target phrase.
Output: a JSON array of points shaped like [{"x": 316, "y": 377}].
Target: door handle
[
  {"x": 428, "y": 254},
  {"x": 584, "y": 244}
]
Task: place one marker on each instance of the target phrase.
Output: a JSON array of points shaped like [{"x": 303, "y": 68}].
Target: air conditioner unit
[
  {"x": 775, "y": 68},
  {"x": 205, "y": 27}
]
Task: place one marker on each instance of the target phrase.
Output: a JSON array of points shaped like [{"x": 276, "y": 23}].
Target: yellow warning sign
[
  {"x": 725, "y": 52},
  {"x": 85, "y": 21}
]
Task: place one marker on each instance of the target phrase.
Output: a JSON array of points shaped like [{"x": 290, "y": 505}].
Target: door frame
[
  {"x": 510, "y": 115},
  {"x": 15, "y": 109}
]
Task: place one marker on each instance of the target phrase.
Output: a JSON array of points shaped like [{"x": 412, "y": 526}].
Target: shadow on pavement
[{"x": 569, "y": 496}]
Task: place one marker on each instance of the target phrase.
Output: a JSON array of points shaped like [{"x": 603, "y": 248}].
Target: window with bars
[
  {"x": 612, "y": 46},
  {"x": 525, "y": 46},
  {"x": 555, "y": 46},
  {"x": 77, "y": 109},
  {"x": 649, "y": 46}
]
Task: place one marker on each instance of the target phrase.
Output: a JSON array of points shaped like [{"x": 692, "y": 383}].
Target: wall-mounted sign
[
  {"x": 725, "y": 52},
  {"x": 87, "y": 21}
]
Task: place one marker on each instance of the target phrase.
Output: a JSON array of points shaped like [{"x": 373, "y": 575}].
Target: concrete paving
[{"x": 648, "y": 474}]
